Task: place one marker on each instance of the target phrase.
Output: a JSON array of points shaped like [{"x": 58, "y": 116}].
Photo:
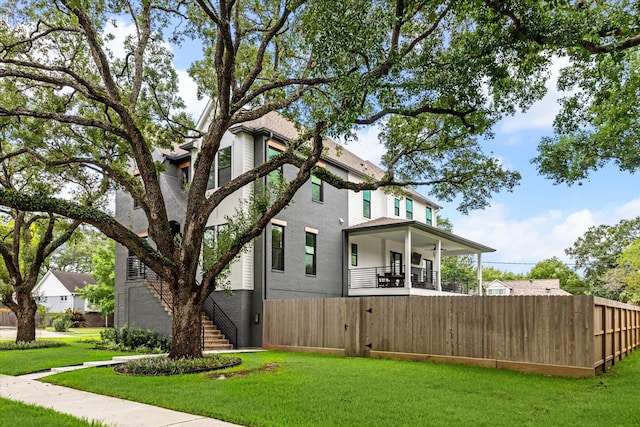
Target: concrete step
[{"x": 208, "y": 347}]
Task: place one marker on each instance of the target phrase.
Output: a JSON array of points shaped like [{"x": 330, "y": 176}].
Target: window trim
[
  {"x": 354, "y": 254},
  {"x": 280, "y": 267},
  {"x": 314, "y": 254},
  {"x": 366, "y": 204},
  {"x": 320, "y": 187}
]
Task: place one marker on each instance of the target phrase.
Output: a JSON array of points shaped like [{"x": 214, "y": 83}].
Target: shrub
[
  {"x": 140, "y": 340},
  {"x": 76, "y": 317},
  {"x": 61, "y": 324},
  {"x": 162, "y": 365},
  {"x": 22, "y": 345}
]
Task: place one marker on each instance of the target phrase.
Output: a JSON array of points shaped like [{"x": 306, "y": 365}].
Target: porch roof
[{"x": 393, "y": 229}]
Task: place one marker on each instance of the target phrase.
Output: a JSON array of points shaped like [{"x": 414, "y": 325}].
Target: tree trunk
[
  {"x": 187, "y": 326},
  {"x": 25, "y": 311}
]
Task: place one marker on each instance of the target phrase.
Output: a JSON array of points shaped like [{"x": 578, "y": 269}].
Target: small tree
[
  {"x": 101, "y": 295},
  {"x": 553, "y": 268}
]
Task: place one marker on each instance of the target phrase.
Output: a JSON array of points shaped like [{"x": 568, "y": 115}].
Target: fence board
[{"x": 581, "y": 332}]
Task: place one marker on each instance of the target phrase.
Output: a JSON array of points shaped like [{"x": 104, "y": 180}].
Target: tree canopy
[
  {"x": 598, "y": 253},
  {"x": 435, "y": 75}
]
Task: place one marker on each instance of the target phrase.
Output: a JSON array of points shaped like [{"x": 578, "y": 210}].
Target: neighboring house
[
  {"x": 525, "y": 287},
  {"x": 57, "y": 291},
  {"x": 327, "y": 243}
]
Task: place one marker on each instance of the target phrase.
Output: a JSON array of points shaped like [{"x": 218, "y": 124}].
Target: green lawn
[
  {"x": 20, "y": 414},
  {"x": 18, "y": 362},
  {"x": 330, "y": 391}
]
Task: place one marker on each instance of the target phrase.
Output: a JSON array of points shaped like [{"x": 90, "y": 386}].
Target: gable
[{"x": 49, "y": 285}]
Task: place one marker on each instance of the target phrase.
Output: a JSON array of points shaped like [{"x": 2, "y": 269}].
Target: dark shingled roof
[{"x": 72, "y": 280}]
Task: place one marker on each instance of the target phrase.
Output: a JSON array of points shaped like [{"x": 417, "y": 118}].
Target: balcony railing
[{"x": 391, "y": 277}]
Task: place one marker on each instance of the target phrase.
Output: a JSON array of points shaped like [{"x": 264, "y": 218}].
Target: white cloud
[
  {"x": 367, "y": 145},
  {"x": 529, "y": 240},
  {"x": 629, "y": 210},
  {"x": 543, "y": 112},
  {"x": 188, "y": 91}
]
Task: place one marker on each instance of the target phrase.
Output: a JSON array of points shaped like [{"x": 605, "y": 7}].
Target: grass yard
[
  {"x": 18, "y": 362},
  {"x": 329, "y": 391},
  {"x": 20, "y": 414}
]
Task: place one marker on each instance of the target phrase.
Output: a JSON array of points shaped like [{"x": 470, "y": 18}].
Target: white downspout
[
  {"x": 407, "y": 258},
  {"x": 438, "y": 256},
  {"x": 479, "y": 274}
]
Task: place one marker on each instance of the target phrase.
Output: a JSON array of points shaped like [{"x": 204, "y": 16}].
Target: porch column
[
  {"x": 407, "y": 258},
  {"x": 438, "y": 256},
  {"x": 479, "y": 274}
]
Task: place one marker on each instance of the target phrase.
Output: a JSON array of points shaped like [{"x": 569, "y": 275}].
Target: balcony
[
  {"x": 136, "y": 269},
  {"x": 371, "y": 281}
]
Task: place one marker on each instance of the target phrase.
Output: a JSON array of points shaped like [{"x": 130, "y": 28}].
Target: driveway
[{"x": 9, "y": 333}]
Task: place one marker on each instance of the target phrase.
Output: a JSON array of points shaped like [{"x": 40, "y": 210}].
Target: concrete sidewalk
[{"x": 108, "y": 410}]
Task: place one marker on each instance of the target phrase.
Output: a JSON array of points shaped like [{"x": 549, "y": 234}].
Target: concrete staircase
[{"x": 212, "y": 337}]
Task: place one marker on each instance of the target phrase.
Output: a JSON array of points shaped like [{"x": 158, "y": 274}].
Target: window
[
  {"x": 316, "y": 189},
  {"x": 208, "y": 246},
  {"x": 429, "y": 216},
  {"x": 409, "y": 209},
  {"x": 500, "y": 291},
  {"x": 277, "y": 247},
  {"x": 366, "y": 203},
  {"x": 224, "y": 166},
  {"x": 211, "y": 182},
  {"x": 275, "y": 175},
  {"x": 354, "y": 254},
  {"x": 185, "y": 175},
  {"x": 310, "y": 254},
  {"x": 396, "y": 207}
]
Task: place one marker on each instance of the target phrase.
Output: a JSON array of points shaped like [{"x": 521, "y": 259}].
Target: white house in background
[
  {"x": 526, "y": 287},
  {"x": 57, "y": 291}
]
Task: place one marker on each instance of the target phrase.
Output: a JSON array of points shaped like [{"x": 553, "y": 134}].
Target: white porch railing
[{"x": 390, "y": 277}]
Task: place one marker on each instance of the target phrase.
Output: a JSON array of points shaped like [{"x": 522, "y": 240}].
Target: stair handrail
[{"x": 216, "y": 314}]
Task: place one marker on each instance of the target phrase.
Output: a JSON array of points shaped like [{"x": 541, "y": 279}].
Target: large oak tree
[{"x": 435, "y": 75}]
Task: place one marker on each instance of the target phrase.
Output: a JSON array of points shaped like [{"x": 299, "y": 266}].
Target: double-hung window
[
  {"x": 224, "y": 166},
  {"x": 316, "y": 189},
  {"x": 409, "y": 209},
  {"x": 396, "y": 206},
  {"x": 310, "y": 254},
  {"x": 366, "y": 203},
  {"x": 354, "y": 255},
  {"x": 275, "y": 175},
  {"x": 277, "y": 247},
  {"x": 429, "y": 216}
]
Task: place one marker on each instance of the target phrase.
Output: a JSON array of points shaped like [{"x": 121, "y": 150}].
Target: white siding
[
  {"x": 378, "y": 204},
  {"x": 242, "y": 159}
]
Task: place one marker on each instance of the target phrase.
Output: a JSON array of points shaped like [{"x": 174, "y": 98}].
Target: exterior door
[{"x": 396, "y": 263}]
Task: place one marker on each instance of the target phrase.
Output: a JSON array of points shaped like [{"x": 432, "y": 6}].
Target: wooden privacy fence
[
  {"x": 558, "y": 335},
  {"x": 7, "y": 318}
]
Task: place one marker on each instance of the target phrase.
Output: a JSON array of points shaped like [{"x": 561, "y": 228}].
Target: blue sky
[{"x": 538, "y": 220}]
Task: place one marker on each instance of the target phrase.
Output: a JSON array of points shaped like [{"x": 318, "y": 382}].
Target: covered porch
[{"x": 389, "y": 256}]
